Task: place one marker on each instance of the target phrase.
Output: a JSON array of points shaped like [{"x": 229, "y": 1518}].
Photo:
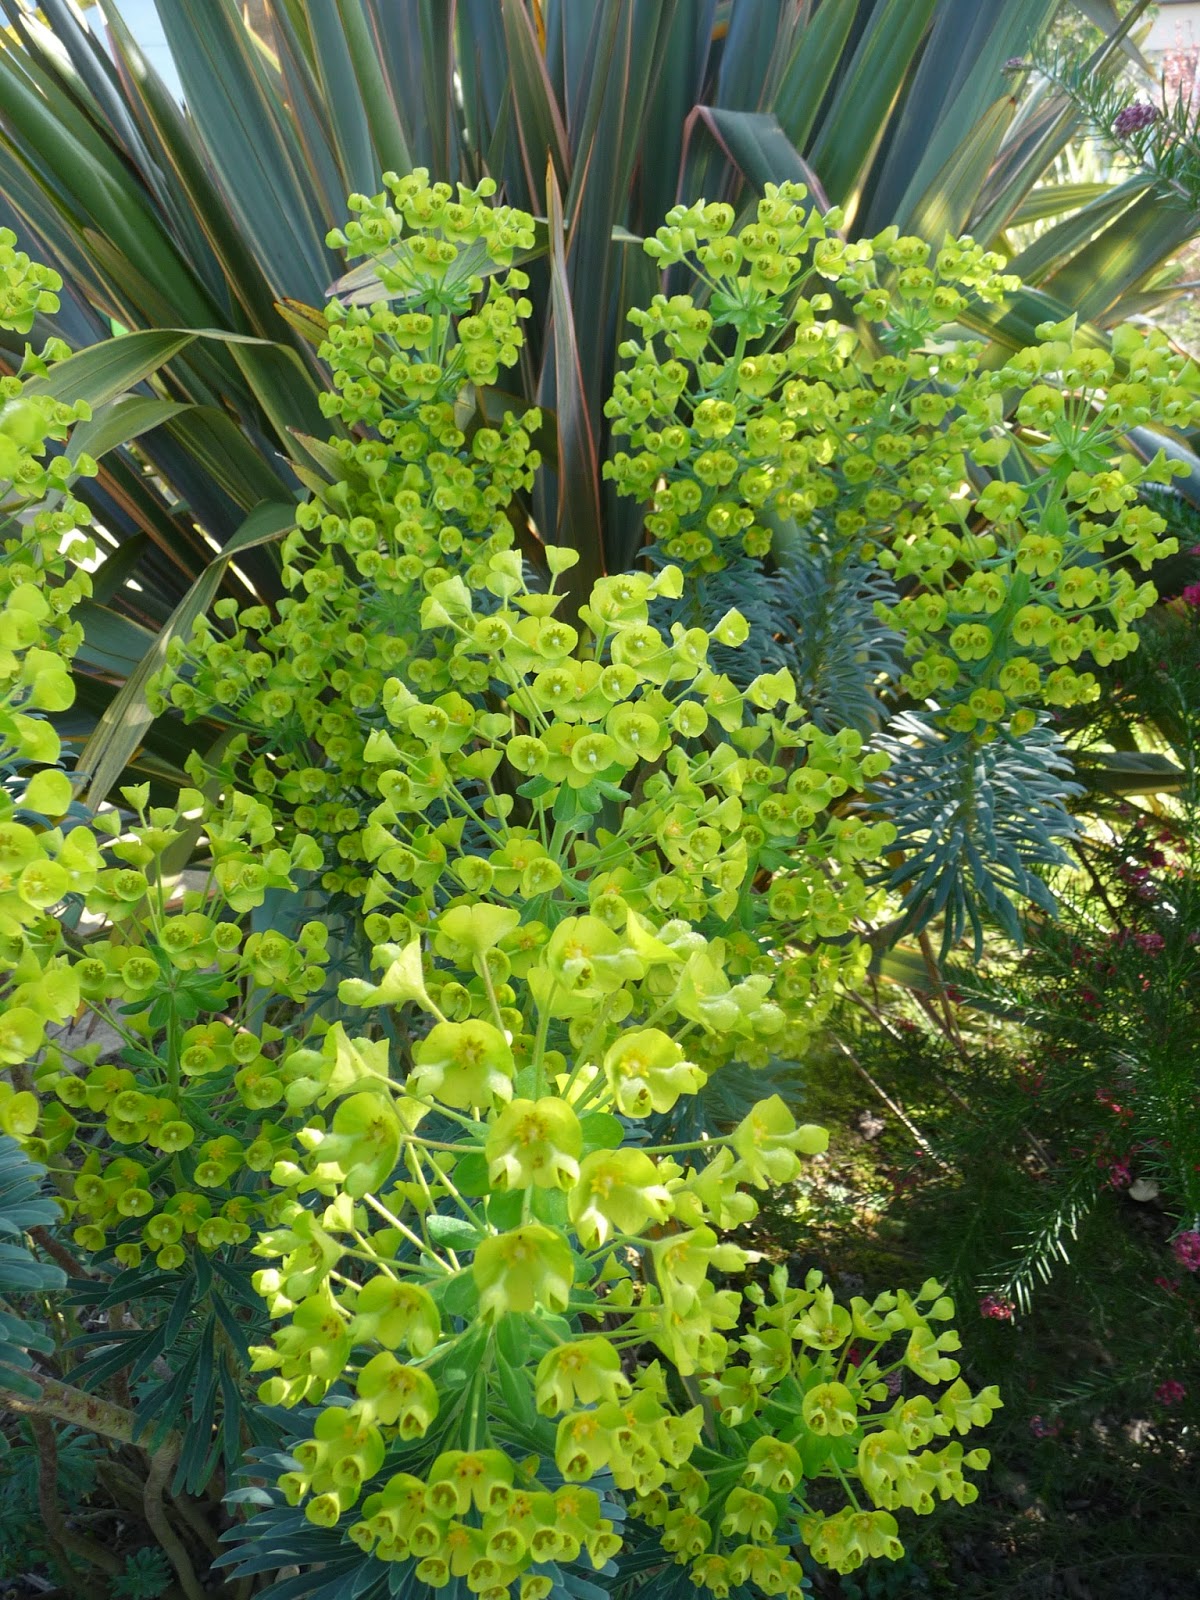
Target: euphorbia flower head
[
  {"x": 767, "y": 1139},
  {"x": 463, "y": 1064},
  {"x": 527, "y": 1266},
  {"x": 534, "y": 1142},
  {"x": 617, "y": 1190},
  {"x": 647, "y": 1072}
]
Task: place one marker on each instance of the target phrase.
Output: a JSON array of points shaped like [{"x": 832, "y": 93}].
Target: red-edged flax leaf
[
  {"x": 539, "y": 123},
  {"x": 579, "y": 523}
]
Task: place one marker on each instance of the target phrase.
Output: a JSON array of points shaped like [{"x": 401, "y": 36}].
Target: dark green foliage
[
  {"x": 837, "y": 648},
  {"x": 745, "y": 584},
  {"x": 147, "y": 1575},
  {"x": 78, "y": 1461},
  {"x": 22, "y": 1206},
  {"x": 808, "y": 611},
  {"x": 976, "y": 823},
  {"x": 199, "y": 1321}
]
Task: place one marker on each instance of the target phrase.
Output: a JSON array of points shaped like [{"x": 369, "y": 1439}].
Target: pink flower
[
  {"x": 1167, "y": 1285},
  {"x": 1134, "y": 118},
  {"x": 1170, "y": 1393},
  {"x": 998, "y": 1307},
  {"x": 1041, "y": 1429},
  {"x": 1119, "y": 1175},
  {"x": 1191, "y": 595},
  {"x": 1186, "y": 1249},
  {"x": 1151, "y": 943}
]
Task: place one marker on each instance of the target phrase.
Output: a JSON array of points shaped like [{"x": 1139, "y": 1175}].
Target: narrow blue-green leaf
[
  {"x": 537, "y": 117},
  {"x": 1059, "y": 245},
  {"x": 254, "y": 152},
  {"x": 118, "y": 422},
  {"x": 109, "y": 369},
  {"x": 958, "y": 80},
  {"x": 113, "y": 645},
  {"x": 377, "y": 91},
  {"x": 816, "y": 53},
  {"x": 92, "y": 182},
  {"x": 759, "y": 148},
  {"x": 1120, "y": 257},
  {"x": 858, "y": 118},
  {"x": 946, "y": 205},
  {"x": 1055, "y": 199}
]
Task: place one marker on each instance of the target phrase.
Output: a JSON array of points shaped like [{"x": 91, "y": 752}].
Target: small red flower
[
  {"x": 1185, "y": 1247},
  {"x": 1170, "y": 1393},
  {"x": 1041, "y": 1429},
  {"x": 996, "y": 1306}
]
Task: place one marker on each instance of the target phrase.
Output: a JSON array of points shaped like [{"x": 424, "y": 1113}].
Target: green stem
[
  {"x": 539, "y": 1043},
  {"x": 413, "y": 1239},
  {"x": 845, "y": 1483}
]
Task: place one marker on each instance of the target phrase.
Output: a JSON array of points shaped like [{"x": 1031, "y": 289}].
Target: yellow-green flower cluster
[
  {"x": 590, "y": 871},
  {"x": 750, "y": 410},
  {"x": 26, "y": 287},
  {"x": 41, "y": 579},
  {"x": 199, "y": 1103}
]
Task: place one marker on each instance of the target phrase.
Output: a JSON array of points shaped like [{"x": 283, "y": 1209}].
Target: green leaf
[
  {"x": 112, "y": 644},
  {"x": 119, "y": 421},
  {"x": 514, "y": 1340},
  {"x": 367, "y": 127},
  {"x": 538, "y": 122},
  {"x": 515, "y": 1383},
  {"x": 1058, "y": 245},
  {"x": 815, "y": 58},
  {"x": 1045, "y": 123},
  {"x": 952, "y": 113},
  {"x": 1055, "y": 199},
  {"x": 757, "y": 145},
  {"x": 851, "y": 130},
  {"x": 505, "y": 1208},
  {"x": 91, "y": 180},
  {"x": 254, "y": 148},
  {"x": 578, "y": 466},
  {"x": 471, "y": 1175},
  {"x": 456, "y": 1233},
  {"x": 1120, "y": 257},
  {"x": 286, "y": 388},
  {"x": 946, "y": 204},
  {"x": 122, "y": 727},
  {"x": 602, "y": 1131},
  {"x": 460, "y": 1296},
  {"x": 109, "y": 369},
  {"x": 221, "y": 450},
  {"x": 1129, "y": 772}
]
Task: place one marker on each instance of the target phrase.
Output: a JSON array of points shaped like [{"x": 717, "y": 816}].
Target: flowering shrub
[
  {"x": 875, "y": 434},
  {"x": 42, "y": 578},
  {"x": 494, "y": 888}
]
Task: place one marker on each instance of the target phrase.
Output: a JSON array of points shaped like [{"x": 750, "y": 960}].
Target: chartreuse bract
[{"x": 585, "y": 871}]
